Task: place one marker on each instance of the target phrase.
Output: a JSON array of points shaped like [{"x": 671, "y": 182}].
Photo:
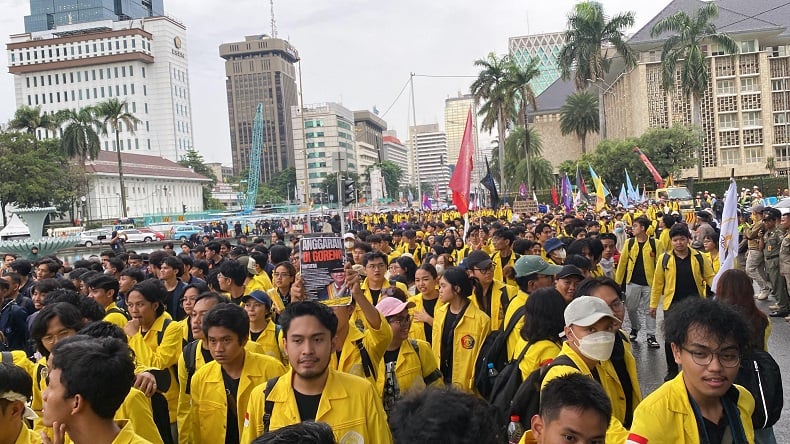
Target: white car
[
  {"x": 94, "y": 237},
  {"x": 137, "y": 236}
]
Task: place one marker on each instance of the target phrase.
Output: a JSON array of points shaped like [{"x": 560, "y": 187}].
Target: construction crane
[{"x": 255, "y": 161}]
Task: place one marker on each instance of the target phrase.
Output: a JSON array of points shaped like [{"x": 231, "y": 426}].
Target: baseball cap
[
  {"x": 758, "y": 209},
  {"x": 249, "y": 263},
  {"x": 477, "y": 258},
  {"x": 349, "y": 236},
  {"x": 389, "y": 306},
  {"x": 585, "y": 311},
  {"x": 526, "y": 265},
  {"x": 552, "y": 244},
  {"x": 570, "y": 271},
  {"x": 259, "y": 296}
]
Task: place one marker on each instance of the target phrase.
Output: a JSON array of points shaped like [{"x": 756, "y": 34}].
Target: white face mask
[
  {"x": 349, "y": 245},
  {"x": 597, "y": 346},
  {"x": 439, "y": 268}
]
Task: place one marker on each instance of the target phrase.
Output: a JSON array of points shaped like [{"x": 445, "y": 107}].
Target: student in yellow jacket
[
  {"x": 152, "y": 333},
  {"x": 232, "y": 376},
  {"x": 635, "y": 270},
  {"x": 539, "y": 338},
  {"x": 459, "y": 329},
  {"x": 492, "y": 296},
  {"x": 197, "y": 354},
  {"x": 589, "y": 324},
  {"x": 104, "y": 290},
  {"x": 15, "y": 392},
  {"x": 263, "y": 330},
  {"x": 426, "y": 281},
  {"x": 408, "y": 365},
  {"x": 349, "y": 404},
  {"x": 707, "y": 340}
]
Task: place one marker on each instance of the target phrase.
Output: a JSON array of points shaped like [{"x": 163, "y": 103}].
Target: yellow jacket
[
  {"x": 460, "y": 255},
  {"x": 162, "y": 355},
  {"x": 417, "y": 329},
  {"x": 625, "y": 267},
  {"x": 608, "y": 378},
  {"x": 498, "y": 290},
  {"x": 349, "y": 405},
  {"x": 270, "y": 341},
  {"x": 136, "y": 408},
  {"x": 663, "y": 243},
  {"x": 277, "y": 301},
  {"x": 515, "y": 336},
  {"x": 469, "y": 334},
  {"x": 20, "y": 359},
  {"x": 715, "y": 262},
  {"x": 128, "y": 435},
  {"x": 664, "y": 280},
  {"x": 185, "y": 399},
  {"x": 375, "y": 343},
  {"x": 498, "y": 265},
  {"x": 210, "y": 401},
  {"x": 113, "y": 316},
  {"x": 413, "y": 371},
  {"x": 27, "y": 436},
  {"x": 666, "y": 415},
  {"x": 539, "y": 354}
]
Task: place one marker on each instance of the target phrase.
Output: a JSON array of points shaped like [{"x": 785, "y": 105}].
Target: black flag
[{"x": 488, "y": 183}]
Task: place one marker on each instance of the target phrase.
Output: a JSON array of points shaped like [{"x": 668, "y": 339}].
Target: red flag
[
  {"x": 554, "y": 197},
  {"x": 462, "y": 175}
]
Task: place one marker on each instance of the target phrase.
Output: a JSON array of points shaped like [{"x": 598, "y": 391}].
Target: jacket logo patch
[{"x": 467, "y": 342}]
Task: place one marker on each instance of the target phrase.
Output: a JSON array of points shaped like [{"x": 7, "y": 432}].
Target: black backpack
[
  {"x": 494, "y": 351},
  {"x": 505, "y": 387},
  {"x": 526, "y": 401},
  {"x": 760, "y": 374}
]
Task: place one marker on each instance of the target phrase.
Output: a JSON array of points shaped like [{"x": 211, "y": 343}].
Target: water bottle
[
  {"x": 514, "y": 430},
  {"x": 492, "y": 373}
]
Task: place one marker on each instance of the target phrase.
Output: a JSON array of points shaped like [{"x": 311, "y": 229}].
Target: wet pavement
[{"x": 651, "y": 364}]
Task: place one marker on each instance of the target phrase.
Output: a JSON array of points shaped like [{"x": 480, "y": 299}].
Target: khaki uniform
[{"x": 772, "y": 241}]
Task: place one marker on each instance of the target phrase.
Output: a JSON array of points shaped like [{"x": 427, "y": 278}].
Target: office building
[
  {"x": 143, "y": 62},
  {"x": 368, "y": 129},
  {"x": 744, "y": 112},
  {"x": 330, "y": 147},
  {"x": 50, "y": 14},
  {"x": 546, "y": 48},
  {"x": 398, "y": 153},
  {"x": 431, "y": 169},
  {"x": 456, "y": 110},
  {"x": 261, "y": 69}
]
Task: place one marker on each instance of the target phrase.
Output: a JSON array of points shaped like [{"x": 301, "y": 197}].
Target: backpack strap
[
  {"x": 268, "y": 406},
  {"x": 504, "y": 299},
  {"x": 119, "y": 311},
  {"x": 367, "y": 363},
  {"x": 190, "y": 360},
  {"x": 435, "y": 375},
  {"x": 161, "y": 334},
  {"x": 652, "y": 241},
  {"x": 665, "y": 261},
  {"x": 514, "y": 320}
]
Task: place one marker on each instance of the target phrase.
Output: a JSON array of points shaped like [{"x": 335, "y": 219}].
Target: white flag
[{"x": 728, "y": 237}]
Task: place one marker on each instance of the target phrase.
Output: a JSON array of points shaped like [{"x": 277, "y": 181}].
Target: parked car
[
  {"x": 135, "y": 235},
  {"x": 98, "y": 236},
  {"x": 159, "y": 236},
  {"x": 184, "y": 232}
]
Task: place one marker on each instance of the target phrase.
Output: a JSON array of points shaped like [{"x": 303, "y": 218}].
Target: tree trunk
[
  {"x": 526, "y": 143},
  {"x": 695, "y": 120},
  {"x": 501, "y": 130},
  {"x": 583, "y": 141},
  {"x": 120, "y": 171}
]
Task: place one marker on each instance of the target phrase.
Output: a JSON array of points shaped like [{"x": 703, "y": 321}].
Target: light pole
[
  {"x": 85, "y": 213},
  {"x": 167, "y": 200}
]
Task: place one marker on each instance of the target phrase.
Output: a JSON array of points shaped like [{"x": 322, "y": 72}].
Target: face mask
[
  {"x": 439, "y": 268},
  {"x": 618, "y": 230},
  {"x": 561, "y": 253},
  {"x": 349, "y": 245},
  {"x": 597, "y": 346}
]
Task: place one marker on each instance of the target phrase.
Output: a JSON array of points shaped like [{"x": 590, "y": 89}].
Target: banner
[
  {"x": 320, "y": 258},
  {"x": 728, "y": 236}
]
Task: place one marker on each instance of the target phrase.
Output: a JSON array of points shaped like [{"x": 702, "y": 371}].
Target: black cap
[
  {"x": 479, "y": 259},
  {"x": 570, "y": 271}
]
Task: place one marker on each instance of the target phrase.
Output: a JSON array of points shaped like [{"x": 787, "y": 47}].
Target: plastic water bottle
[
  {"x": 514, "y": 430},
  {"x": 492, "y": 373}
]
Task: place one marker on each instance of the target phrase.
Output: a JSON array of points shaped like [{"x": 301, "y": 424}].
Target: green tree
[
  {"x": 284, "y": 182},
  {"x": 516, "y": 166},
  {"x": 592, "y": 40},
  {"x": 518, "y": 83},
  {"x": 80, "y": 140},
  {"x": 392, "y": 174},
  {"x": 194, "y": 161},
  {"x": 115, "y": 115},
  {"x": 685, "y": 46},
  {"x": 490, "y": 88},
  {"x": 29, "y": 119},
  {"x": 671, "y": 150},
  {"x": 579, "y": 115},
  {"x": 35, "y": 173}
]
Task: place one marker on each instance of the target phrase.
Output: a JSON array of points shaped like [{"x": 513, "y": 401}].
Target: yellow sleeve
[
  {"x": 622, "y": 264},
  {"x": 184, "y": 404},
  {"x": 657, "y": 289},
  {"x": 429, "y": 363},
  {"x": 253, "y": 418},
  {"x": 137, "y": 409},
  {"x": 376, "y": 341},
  {"x": 377, "y": 428},
  {"x": 116, "y": 319}
]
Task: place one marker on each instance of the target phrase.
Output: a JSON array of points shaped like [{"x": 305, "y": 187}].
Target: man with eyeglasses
[
  {"x": 502, "y": 241},
  {"x": 496, "y": 295},
  {"x": 701, "y": 404},
  {"x": 375, "y": 265}
]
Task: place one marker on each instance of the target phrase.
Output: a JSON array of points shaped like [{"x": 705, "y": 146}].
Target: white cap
[{"x": 585, "y": 311}]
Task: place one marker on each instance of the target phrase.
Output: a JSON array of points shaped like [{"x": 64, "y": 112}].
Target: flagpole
[{"x": 413, "y": 140}]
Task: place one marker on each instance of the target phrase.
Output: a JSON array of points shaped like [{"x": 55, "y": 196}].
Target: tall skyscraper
[
  {"x": 431, "y": 169},
  {"x": 143, "y": 62},
  {"x": 261, "y": 70},
  {"x": 49, "y": 14},
  {"x": 546, "y": 48}
]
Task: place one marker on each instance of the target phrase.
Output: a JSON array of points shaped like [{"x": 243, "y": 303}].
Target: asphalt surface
[{"x": 651, "y": 364}]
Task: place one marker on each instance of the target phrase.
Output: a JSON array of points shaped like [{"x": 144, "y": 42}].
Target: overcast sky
[{"x": 356, "y": 52}]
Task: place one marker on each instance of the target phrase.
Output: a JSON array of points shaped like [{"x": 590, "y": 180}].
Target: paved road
[{"x": 652, "y": 367}]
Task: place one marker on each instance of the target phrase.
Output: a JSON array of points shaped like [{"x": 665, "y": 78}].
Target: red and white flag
[{"x": 462, "y": 175}]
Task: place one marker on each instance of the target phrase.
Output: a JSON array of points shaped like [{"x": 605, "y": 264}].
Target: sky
[{"x": 356, "y": 52}]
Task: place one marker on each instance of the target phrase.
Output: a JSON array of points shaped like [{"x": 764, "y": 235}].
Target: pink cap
[{"x": 390, "y": 306}]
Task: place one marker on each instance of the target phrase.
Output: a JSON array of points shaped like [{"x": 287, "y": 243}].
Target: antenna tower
[{"x": 274, "y": 22}]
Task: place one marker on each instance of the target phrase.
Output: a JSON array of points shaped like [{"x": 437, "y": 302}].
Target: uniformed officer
[
  {"x": 771, "y": 244},
  {"x": 784, "y": 262}
]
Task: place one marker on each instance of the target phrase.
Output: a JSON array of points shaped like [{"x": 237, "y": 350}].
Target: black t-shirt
[
  {"x": 684, "y": 283},
  {"x": 391, "y": 355},
  {"x": 430, "y": 307},
  {"x": 638, "y": 276},
  {"x": 206, "y": 355},
  {"x": 618, "y": 362},
  {"x": 374, "y": 294},
  {"x": 232, "y": 425},
  {"x": 716, "y": 431},
  {"x": 255, "y": 335},
  {"x": 307, "y": 405},
  {"x": 448, "y": 336}
]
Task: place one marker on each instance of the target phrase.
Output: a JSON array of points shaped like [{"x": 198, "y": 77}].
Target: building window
[
  {"x": 728, "y": 121},
  {"x": 749, "y": 84},
  {"x": 753, "y": 154},
  {"x": 730, "y": 156},
  {"x": 752, "y": 118},
  {"x": 725, "y": 87},
  {"x": 748, "y": 46}
]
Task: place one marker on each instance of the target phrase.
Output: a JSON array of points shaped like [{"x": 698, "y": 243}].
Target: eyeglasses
[
  {"x": 281, "y": 275},
  {"x": 376, "y": 266},
  {"x": 400, "y": 320},
  {"x": 616, "y": 304},
  {"x": 51, "y": 339},
  {"x": 729, "y": 358},
  {"x": 220, "y": 276},
  {"x": 489, "y": 269}
]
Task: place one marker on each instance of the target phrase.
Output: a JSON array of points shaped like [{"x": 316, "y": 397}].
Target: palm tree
[
  {"x": 685, "y": 47},
  {"x": 588, "y": 40},
  {"x": 517, "y": 83},
  {"x": 516, "y": 166},
  {"x": 30, "y": 119},
  {"x": 579, "y": 115},
  {"x": 80, "y": 140},
  {"x": 489, "y": 87},
  {"x": 115, "y": 114}
]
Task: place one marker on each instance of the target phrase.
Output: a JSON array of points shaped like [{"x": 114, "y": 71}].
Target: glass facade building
[{"x": 48, "y": 14}]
